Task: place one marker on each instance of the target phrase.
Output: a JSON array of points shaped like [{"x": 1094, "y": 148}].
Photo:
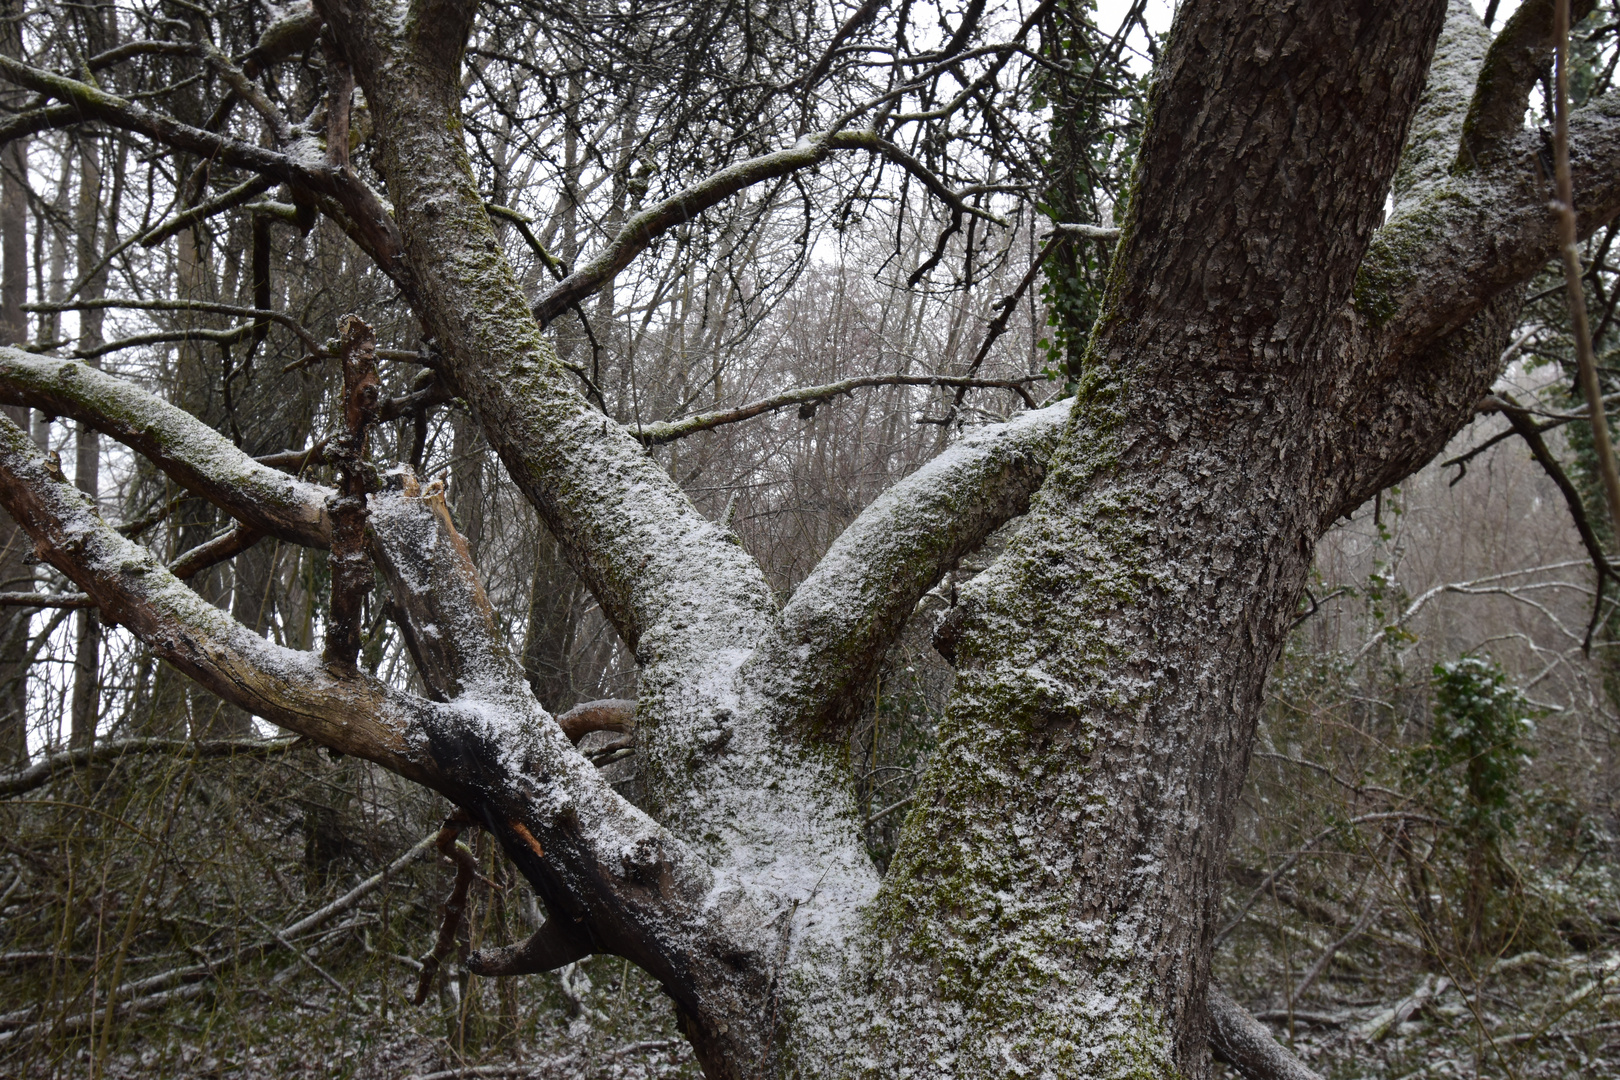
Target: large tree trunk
[{"x": 1049, "y": 907}]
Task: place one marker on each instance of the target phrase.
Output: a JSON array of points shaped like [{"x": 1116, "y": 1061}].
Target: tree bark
[
  {"x": 15, "y": 573},
  {"x": 85, "y": 709},
  {"x": 1050, "y": 905},
  {"x": 1264, "y": 360}
]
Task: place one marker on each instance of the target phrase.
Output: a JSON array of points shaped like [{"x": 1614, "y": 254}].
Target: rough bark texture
[
  {"x": 1266, "y": 359},
  {"x": 1048, "y": 909},
  {"x": 1247, "y": 1045}
]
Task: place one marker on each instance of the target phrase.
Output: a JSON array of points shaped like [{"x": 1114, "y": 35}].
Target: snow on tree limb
[
  {"x": 843, "y": 617},
  {"x": 194, "y": 455},
  {"x": 1244, "y": 1042},
  {"x": 1470, "y": 237},
  {"x": 356, "y": 715}
]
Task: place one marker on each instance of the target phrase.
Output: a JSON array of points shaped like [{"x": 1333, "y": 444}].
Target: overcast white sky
[{"x": 1159, "y": 12}]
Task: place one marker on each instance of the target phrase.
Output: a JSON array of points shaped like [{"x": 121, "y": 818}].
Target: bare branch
[
  {"x": 356, "y": 715},
  {"x": 226, "y": 545},
  {"x": 355, "y": 206},
  {"x": 687, "y": 204},
  {"x": 1241, "y": 1041},
  {"x": 45, "y": 600},
  {"x": 108, "y": 304},
  {"x": 669, "y": 430},
  {"x": 611, "y": 714},
  {"x": 454, "y": 905},
  {"x": 46, "y": 769},
  {"x": 228, "y": 200}
]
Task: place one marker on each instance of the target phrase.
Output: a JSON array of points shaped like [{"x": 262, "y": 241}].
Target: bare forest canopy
[{"x": 744, "y": 539}]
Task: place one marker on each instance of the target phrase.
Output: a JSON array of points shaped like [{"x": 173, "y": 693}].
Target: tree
[{"x": 1270, "y": 354}]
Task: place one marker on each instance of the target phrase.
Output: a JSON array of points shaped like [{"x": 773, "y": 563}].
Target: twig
[
  {"x": 807, "y": 398},
  {"x": 194, "y": 978},
  {"x": 281, "y": 939},
  {"x": 360, "y": 891},
  {"x": 1005, "y": 307},
  {"x": 41, "y": 772},
  {"x": 1362, "y": 922},
  {"x": 1569, "y": 250},
  {"x": 454, "y": 906},
  {"x": 1288, "y": 864},
  {"x": 887, "y": 810}
]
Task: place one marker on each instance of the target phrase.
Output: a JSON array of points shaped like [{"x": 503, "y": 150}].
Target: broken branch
[
  {"x": 454, "y": 906},
  {"x": 351, "y": 569}
]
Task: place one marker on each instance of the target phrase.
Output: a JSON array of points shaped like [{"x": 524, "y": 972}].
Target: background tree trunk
[{"x": 15, "y": 572}]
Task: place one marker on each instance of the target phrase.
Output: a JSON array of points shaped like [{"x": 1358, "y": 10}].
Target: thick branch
[
  {"x": 1244, "y": 1043},
  {"x": 842, "y": 619},
  {"x": 1473, "y": 237},
  {"x": 34, "y": 121},
  {"x": 1437, "y": 125},
  {"x": 665, "y": 431},
  {"x": 1516, "y": 61},
  {"x": 295, "y": 32},
  {"x": 195, "y": 456},
  {"x": 356, "y": 715}
]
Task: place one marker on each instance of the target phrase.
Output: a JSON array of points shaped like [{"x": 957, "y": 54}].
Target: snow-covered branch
[
  {"x": 623, "y": 883},
  {"x": 1470, "y": 237},
  {"x": 839, "y": 622},
  {"x": 356, "y": 715},
  {"x": 194, "y": 455}
]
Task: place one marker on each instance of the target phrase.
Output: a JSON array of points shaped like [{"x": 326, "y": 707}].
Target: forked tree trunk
[{"x": 1265, "y": 362}]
